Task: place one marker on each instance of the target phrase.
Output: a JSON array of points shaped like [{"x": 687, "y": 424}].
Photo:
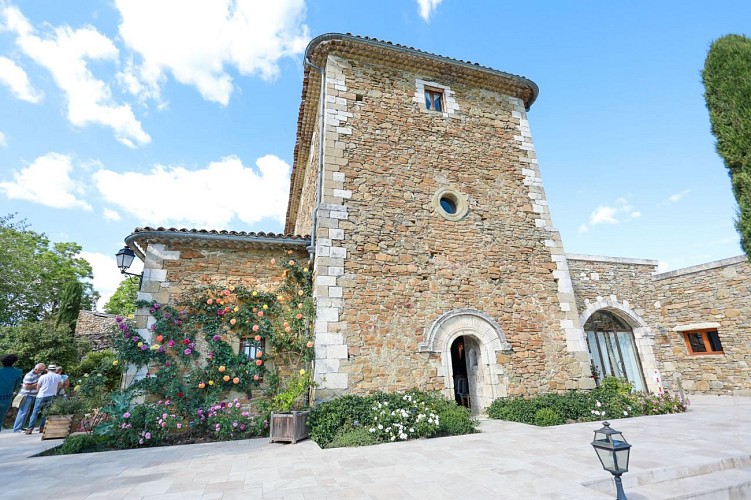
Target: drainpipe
[{"x": 319, "y": 185}]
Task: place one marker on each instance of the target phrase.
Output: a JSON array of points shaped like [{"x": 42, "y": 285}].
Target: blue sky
[{"x": 129, "y": 113}]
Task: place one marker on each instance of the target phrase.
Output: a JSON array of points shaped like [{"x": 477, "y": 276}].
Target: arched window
[{"x": 612, "y": 349}]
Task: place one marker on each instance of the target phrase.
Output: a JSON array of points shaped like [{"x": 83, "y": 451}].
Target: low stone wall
[
  {"x": 716, "y": 294},
  {"x": 97, "y": 328}
]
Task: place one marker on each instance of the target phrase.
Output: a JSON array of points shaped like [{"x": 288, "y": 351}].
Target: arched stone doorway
[
  {"x": 612, "y": 348},
  {"x": 482, "y": 340}
]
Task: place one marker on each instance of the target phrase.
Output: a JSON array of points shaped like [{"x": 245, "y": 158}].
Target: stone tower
[{"x": 436, "y": 262}]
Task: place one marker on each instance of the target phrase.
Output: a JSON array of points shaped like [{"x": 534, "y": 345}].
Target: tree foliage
[
  {"x": 42, "y": 341},
  {"x": 70, "y": 305},
  {"x": 34, "y": 272},
  {"x": 727, "y": 84},
  {"x": 123, "y": 301}
]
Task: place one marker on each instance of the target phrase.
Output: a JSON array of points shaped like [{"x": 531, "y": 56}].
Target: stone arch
[
  {"x": 642, "y": 332},
  {"x": 482, "y": 333}
]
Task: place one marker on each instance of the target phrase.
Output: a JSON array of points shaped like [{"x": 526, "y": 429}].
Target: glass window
[
  {"x": 703, "y": 342},
  {"x": 434, "y": 99}
]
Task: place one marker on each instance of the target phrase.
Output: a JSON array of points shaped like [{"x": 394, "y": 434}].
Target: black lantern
[
  {"x": 125, "y": 258},
  {"x": 613, "y": 451}
]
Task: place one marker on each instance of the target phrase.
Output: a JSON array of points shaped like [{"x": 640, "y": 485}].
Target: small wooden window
[
  {"x": 703, "y": 342},
  {"x": 434, "y": 99},
  {"x": 249, "y": 347}
]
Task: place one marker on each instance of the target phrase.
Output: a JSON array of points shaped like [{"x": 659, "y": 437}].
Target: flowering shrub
[
  {"x": 353, "y": 420},
  {"x": 226, "y": 420},
  {"x": 402, "y": 418}
]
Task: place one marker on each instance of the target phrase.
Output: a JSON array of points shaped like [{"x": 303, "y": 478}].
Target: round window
[{"x": 450, "y": 203}]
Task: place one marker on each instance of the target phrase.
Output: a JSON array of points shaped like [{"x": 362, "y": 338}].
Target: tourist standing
[
  {"x": 29, "y": 390},
  {"x": 48, "y": 385},
  {"x": 10, "y": 379},
  {"x": 64, "y": 383}
]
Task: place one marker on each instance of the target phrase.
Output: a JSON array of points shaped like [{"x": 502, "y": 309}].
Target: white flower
[
  {"x": 380, "y": 427},
  {"x": 393, "y": 438},
  {"x": 411, "y": 429},
  {"x": 625, "y": 413},
  {"x": 598, "y": 404}
]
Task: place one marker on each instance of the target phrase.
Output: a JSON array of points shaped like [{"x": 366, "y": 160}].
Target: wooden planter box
[
  {"x": 57, "y": 426},
  {"x": 288, "y": 427}
]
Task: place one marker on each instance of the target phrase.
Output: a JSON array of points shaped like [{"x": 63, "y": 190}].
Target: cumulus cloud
[
  {"x": 610, "y": 214},
  {"x": 210, "y": 197},
  {"x": 47, "y": 181},
  {"x": 198, "y": 42},
  {"x": 106, "y": 274},
  {"x": 64, "y": 52},
  {"x": 426, "y": 8},
  {"x": 15, "y": 78}
]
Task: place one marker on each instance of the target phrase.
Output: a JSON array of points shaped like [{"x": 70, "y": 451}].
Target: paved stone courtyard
[{"x": 704, "y": 453}]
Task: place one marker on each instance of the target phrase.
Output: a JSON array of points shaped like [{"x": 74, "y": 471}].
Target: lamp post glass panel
[
  {"x": 125, "y": 258},
  {"x": 613, "y": 451}
]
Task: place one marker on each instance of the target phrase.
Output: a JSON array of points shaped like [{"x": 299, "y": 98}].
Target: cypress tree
[
  {"x": 727, "y": 91},
  {"x": 70, "y": 305}
]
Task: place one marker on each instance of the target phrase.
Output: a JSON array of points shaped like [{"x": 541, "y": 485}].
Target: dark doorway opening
[{"x": 459, "y": 372}]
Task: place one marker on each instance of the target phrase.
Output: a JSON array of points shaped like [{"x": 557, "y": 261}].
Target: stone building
[{"x": 436, "y": 262}]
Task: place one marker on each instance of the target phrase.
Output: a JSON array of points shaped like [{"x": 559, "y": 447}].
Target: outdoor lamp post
[{"x": 613, "y": 452}]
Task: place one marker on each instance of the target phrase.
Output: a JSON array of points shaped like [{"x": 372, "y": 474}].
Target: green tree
[
  {"x": 34, "y": 272},
  {"x": 123, "y": 301},
  {"x": 727, "y": 91},
  {"x": 42, "y": 341},
  {"x": 70, "y": 305}
]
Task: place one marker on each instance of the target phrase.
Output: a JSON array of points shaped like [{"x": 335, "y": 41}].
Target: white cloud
[
  {"x": 603, "y": 215},
  {"x": 677, "y": 196},
  {"x": 3, "y": 141},
  {"x": 64, "y": 52},
  {"x": 14, "y": 77},
  {"x": 106, "y": 274},
  {"x": 47, "y": 181},
  {"x": 427, "y": 7},
  {"x": 210, "y": 198},
  {"x": 199, "y": 41},
  {"x": 111, "y": 214},
  {"x": 606, "y": 214}
]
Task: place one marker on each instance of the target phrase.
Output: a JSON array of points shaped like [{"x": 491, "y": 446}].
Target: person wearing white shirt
[{"x": 48, "y": 385}]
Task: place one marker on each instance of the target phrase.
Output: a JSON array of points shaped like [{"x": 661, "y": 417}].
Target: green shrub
[
  {"x": 328, "y": 418},
  {"x": 514, "y": 409},
  {"x": 455, "y": 420},
  {"x": 545, "y": 417},
  {"x": 348, "y": 437},
  {"x": 82, "y": 443},
  {"x": 66, "y": 406}
]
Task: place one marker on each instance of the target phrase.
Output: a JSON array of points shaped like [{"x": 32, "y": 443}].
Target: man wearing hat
[{"x": 49, "y": 384}]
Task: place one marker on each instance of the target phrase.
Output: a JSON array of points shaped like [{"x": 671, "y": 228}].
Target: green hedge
[{"x": 612, "y": 399}]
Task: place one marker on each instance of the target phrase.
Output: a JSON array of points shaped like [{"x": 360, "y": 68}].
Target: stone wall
[
  {"x": 388, "y": 264},
  {"x": 173, "y": 269},
  {"x": 97, "y": 328},
  {"x": 716, "y": 294}
]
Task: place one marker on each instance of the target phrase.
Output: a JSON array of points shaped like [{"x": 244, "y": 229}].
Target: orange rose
[
  {"x": 209, "y": 302},
  {"x": 201, "y": 385},
  {"x": 256, "y": 377},
  {"x": 288, "y": 329},
  {"x": 226, "y": 378},
  {"x": 222, "y": 368},
  {"x": 309, "y": 344},
  {"x": 236, "y": 380},
  {"x": 259, "y": 362},
  {"x": 159, "y": 338},
  {"x": 257, "y": 338},
  {"x": 298, "y": 316},
  {"x": 259, "y": 354},
  {"x": 232, "y": 321},
  {"x": 255, "y": 328}
]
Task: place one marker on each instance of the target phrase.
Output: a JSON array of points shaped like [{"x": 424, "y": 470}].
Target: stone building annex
[{"x": 436, "y": 262}]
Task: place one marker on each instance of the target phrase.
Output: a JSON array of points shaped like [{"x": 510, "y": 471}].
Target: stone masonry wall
[
  {"x": 391, "y": 265},
  {"x": 97, "y": 328},
  {"x": 717, "y": 293}
]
